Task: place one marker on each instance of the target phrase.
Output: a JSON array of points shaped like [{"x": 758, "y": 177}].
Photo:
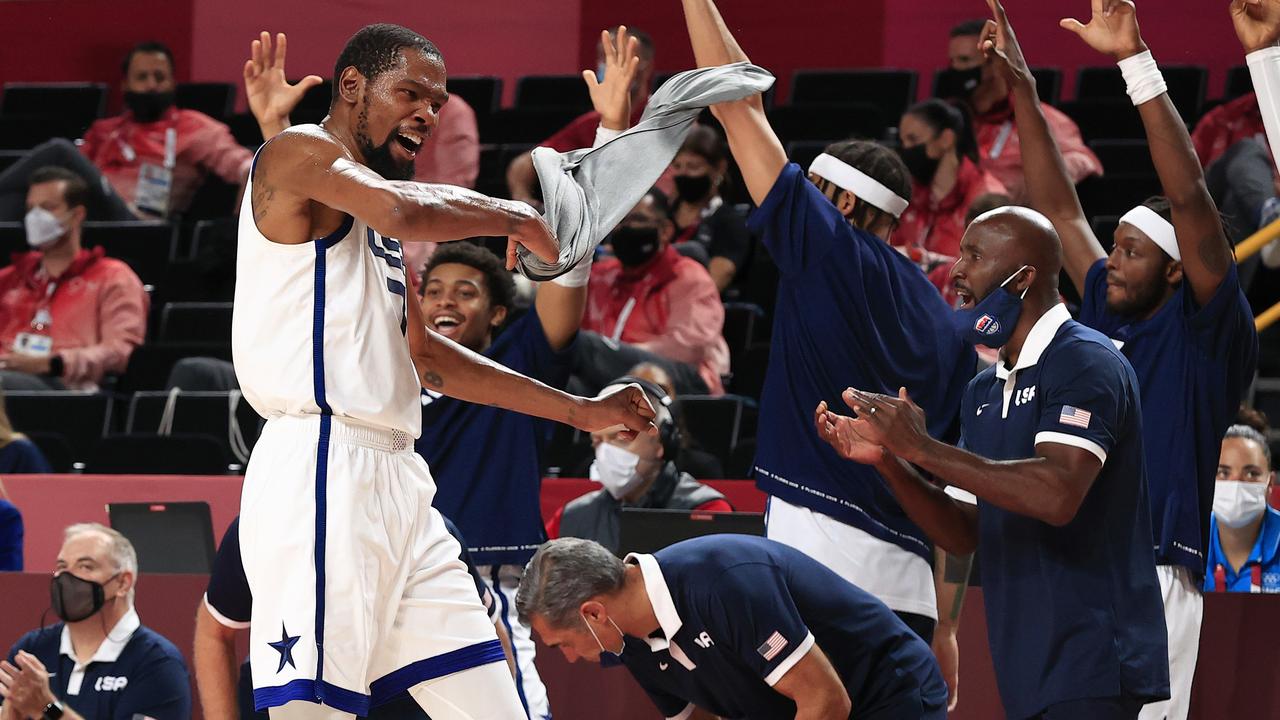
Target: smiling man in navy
[
  {"x": 1051, "y": 445},
  {"x": 100, "y": 662},
  {"x": 732, "y": 626}
]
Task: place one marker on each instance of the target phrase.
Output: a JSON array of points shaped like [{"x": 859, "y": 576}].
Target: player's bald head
[{"x": 1018, "y": 236}]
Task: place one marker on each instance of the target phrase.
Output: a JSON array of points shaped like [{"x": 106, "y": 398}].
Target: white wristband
[
  {"x": 1142, "y": 78},
  {"x": 604, "y": 135},
  {"x": 579, "y": 275},
  {"x": 1264, "y": 68}
]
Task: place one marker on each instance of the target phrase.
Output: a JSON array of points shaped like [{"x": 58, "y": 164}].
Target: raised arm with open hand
[
  {"x": 1048, "y": 182},
  {"x": 271, "y": 97},
  {"x": 1202, "y": 243},
  {"x": 611, "y": 95},
  {"x": 752, "y": 141}
]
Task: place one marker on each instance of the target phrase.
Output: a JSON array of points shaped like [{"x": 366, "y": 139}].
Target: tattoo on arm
[
  {"x": 956, "y": 571},
  {"x": 263, "y": 192},
  {"x": 432, "y": 378},
  {"x": 1214, "y": 256}
]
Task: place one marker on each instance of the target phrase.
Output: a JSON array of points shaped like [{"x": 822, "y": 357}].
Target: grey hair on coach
[
  {"x": 562, "y": 575},
  {"x": 119, "y": 549}
]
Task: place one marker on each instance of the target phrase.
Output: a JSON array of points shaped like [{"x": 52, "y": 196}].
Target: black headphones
[{"x": 668, "y": 431}]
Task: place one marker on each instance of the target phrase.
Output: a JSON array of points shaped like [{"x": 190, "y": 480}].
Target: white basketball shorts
[{"x": 358, "y": 592}]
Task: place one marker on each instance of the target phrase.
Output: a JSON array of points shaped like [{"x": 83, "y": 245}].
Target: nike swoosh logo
[
  {"x": 982, "y": 407},
  {"x": 662, "y": 666}
]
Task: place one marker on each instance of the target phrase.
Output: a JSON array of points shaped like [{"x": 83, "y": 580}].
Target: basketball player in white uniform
[{"x": 358, "y": 592}]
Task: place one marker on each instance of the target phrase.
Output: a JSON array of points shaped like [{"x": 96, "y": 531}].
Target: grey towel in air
[{"x": 587, "y": 192}]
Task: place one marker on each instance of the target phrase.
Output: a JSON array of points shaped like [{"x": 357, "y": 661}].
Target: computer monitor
[
  {"x": 646, "y": 530},
  {"x": 170, "y": 537}
]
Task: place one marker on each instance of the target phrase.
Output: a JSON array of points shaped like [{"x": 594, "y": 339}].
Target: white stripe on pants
[
  {"x": 532, "y": 692},
  {"x": 1183, "y": 613}
]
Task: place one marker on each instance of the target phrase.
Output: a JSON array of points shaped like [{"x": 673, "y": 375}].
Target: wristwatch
[{"x": 52, "y": 711}]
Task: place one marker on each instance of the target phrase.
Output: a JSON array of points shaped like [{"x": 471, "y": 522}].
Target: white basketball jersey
[{"x": 320, "y": 327}]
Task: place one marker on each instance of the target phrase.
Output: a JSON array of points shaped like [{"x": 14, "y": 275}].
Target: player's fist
[
  {"x": 1257, "y": 23},
  {"x": 627, "y": 409},
  {"x": 532, "y": 231}
]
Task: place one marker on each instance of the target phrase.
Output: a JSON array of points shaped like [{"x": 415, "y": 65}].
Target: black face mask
[
  {"x": 635, "y": 245},
  {"x": 958, "y": 83},
  {"x": 693, "y": 188},
  {"x": 74, "y": 599},
  {"x": 918, "y": 162},
  {"x": 148, "y": 106}
]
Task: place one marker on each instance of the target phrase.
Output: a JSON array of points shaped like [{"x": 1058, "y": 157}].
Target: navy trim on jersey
[
  {"x": 322, "y": 457},
  {"x": 387, "y": 687},
  {"x": 506, "y": 623},
  {"x": 335, "y": 697}
]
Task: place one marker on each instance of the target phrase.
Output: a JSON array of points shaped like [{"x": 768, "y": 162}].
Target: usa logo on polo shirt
[{"x": 987, "y": 325}]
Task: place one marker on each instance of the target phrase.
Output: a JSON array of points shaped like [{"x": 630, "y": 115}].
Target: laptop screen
[
  {"x": 646, "y": 530},
  {"x": 170, "y": 537}
]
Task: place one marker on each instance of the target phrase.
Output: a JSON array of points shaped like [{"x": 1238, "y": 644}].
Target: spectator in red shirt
[
  {"x": 637, "y": 473},
  {"x": 649, "y": 303},
  {"x": 153, "y": 157},
  {"x": 68, "y": 316},
  {"x": 1226, "y": 125},
  {"x": 939, "y": 149},
  {"x": 977, "y": 82},
  {"x": 522, "y": 180}
]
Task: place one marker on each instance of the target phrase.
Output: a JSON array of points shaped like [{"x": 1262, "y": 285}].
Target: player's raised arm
[
  {"x": 754, "y": 145},
  {"x": 1206, "y": 254},
  {"x": 561, "y": 301},
  {"x": 1048, "y": 183}
]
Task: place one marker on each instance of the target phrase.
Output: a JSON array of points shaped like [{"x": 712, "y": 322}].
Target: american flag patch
[
  {"x": 771, "y": 647},
  {"x": 1075, "y": 416}
]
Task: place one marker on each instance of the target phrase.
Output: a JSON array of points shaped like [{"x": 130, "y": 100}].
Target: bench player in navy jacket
[{"x": 1169, "y": 295}]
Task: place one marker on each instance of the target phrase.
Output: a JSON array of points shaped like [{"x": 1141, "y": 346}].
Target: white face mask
[
  {"x": 1237, "y": 504},
  {"x": 43, "y": 228},
  {"x": 615, "y": 469}
]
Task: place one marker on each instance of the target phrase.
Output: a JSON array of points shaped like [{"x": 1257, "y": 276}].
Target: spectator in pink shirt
[
  {"x": 68, "y": 316},
  {"x": 650, "y": 303},
  {"x": 174, "y": 149}
]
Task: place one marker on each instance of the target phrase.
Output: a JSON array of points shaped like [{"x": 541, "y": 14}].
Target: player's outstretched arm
[
  {"x": 447, "y": 367},
  {"x": 1048, "y": 182},
  {"x": 1206, "y": 254},
  {"x": 751, "y": 140},
  {"x": 950, "y": 524},
  {"x": 308, "y": 164}
]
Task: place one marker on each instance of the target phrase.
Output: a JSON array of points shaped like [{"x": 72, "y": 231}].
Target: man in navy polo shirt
[
  {"x": 100, "y": 662},
  {"x": 851, "y": 310},
  {"x": 733, "y": 626},
  {"x": 1169, "y": 296},
  {"x": 1051, "y": 445},
  {"x": 225, "y": 611}
]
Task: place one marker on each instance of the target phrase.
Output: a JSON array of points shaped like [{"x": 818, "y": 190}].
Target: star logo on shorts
[{"x": 285, "y": 648}]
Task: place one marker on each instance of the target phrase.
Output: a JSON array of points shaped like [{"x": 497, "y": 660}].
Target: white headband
[
  {"x": 859, "y": 183},
  {"x": 1157, "y": 228}
]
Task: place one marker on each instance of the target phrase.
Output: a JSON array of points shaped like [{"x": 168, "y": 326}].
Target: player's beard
[{"x": 379, "y": 159}]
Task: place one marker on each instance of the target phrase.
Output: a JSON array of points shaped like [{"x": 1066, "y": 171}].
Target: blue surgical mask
[
  {"x": 608, "y": 658},
  {"x": 991, "y": 321}
]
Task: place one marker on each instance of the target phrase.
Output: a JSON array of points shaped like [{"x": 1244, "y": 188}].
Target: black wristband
[
  {"x": 52, "y": 711},
  {"x": 56, "y": 366}
]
